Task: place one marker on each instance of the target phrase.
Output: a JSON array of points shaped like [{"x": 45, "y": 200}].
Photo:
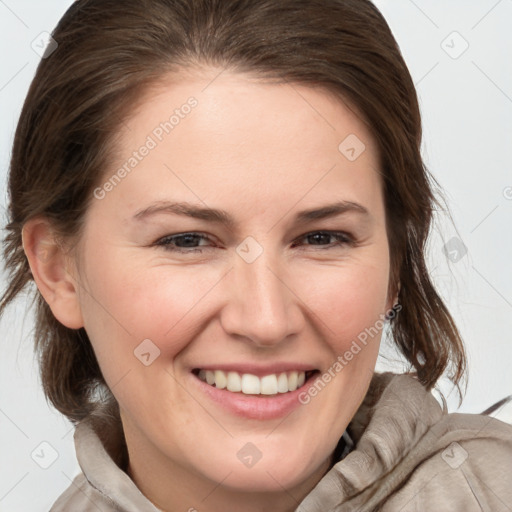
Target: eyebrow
[{"x": 222, "y": 217}]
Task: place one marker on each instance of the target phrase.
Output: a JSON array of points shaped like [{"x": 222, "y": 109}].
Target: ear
[{"x": 52, "y": 272}]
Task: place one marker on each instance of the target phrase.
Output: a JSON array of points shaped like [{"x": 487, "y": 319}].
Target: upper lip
[{"x": 258, "y": 370}]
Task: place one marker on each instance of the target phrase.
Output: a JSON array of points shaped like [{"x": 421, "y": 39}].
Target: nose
[{"x": 262, "y": 306}]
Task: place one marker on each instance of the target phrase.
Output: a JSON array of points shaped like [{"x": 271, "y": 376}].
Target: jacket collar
[{"x": 396, "y": 413}]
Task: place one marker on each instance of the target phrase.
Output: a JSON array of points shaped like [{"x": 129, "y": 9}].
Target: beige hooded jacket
[{"x": 409, "y": 455}]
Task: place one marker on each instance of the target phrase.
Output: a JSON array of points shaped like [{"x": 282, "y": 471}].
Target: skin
[{"x": 262, "y": 152}]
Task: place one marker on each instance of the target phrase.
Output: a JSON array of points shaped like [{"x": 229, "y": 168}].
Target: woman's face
[{"x": 166, "y": 295}]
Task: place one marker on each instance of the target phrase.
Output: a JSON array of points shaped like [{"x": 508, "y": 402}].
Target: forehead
[
  {"x": 227, "y": 136},
  {"x": 246, "y": 108}
]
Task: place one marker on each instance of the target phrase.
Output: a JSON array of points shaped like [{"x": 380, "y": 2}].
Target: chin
[
  {"x": 263, "y": 482},
  {"x": 271, "y": 475}
]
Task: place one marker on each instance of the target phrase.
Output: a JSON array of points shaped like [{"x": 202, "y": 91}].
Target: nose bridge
[{"x": 261, "y": 305}]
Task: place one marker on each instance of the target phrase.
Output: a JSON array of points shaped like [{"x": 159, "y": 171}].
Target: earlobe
[{"x": 49, "y": 266}]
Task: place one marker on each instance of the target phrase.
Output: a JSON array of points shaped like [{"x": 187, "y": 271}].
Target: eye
[
  {"x": 184, "y": 242},
  {"x": 317, "y": 237}
]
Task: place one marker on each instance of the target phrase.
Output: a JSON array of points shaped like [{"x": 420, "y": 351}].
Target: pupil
[
  {"x": 316, "y": 235},
  {"x": 189, "y": 240}
]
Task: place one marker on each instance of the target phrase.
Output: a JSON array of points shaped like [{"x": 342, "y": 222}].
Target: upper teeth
[{"x": 252, "y": 384}]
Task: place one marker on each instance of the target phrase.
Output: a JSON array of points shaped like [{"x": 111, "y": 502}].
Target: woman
[{"x": 213, "y": 338}]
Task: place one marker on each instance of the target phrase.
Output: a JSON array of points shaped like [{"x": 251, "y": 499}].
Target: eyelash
[{"x": 343, "y": 239}]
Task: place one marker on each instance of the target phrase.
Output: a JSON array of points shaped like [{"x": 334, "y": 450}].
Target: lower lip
[{"x": 257, "y": 407}]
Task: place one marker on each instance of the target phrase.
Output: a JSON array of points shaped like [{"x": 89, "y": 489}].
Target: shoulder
[
  {"x": 80, "y": 496},
  {"x": 463, "y": 462}
]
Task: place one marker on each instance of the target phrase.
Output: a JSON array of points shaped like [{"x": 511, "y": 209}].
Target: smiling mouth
[{"x": 249, "y": 384}]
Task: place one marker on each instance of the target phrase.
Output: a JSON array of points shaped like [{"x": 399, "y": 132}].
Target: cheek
[
  {"x": 127, "y": 302},
  {"x": 126, "y": 305},
  {"x": 346, "y": 300}
]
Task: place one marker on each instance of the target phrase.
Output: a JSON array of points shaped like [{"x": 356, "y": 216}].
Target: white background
[{"x": 466, "y": 104}]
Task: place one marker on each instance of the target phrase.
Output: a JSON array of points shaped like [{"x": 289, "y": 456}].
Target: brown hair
[{"x": 110, "y": 52}]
